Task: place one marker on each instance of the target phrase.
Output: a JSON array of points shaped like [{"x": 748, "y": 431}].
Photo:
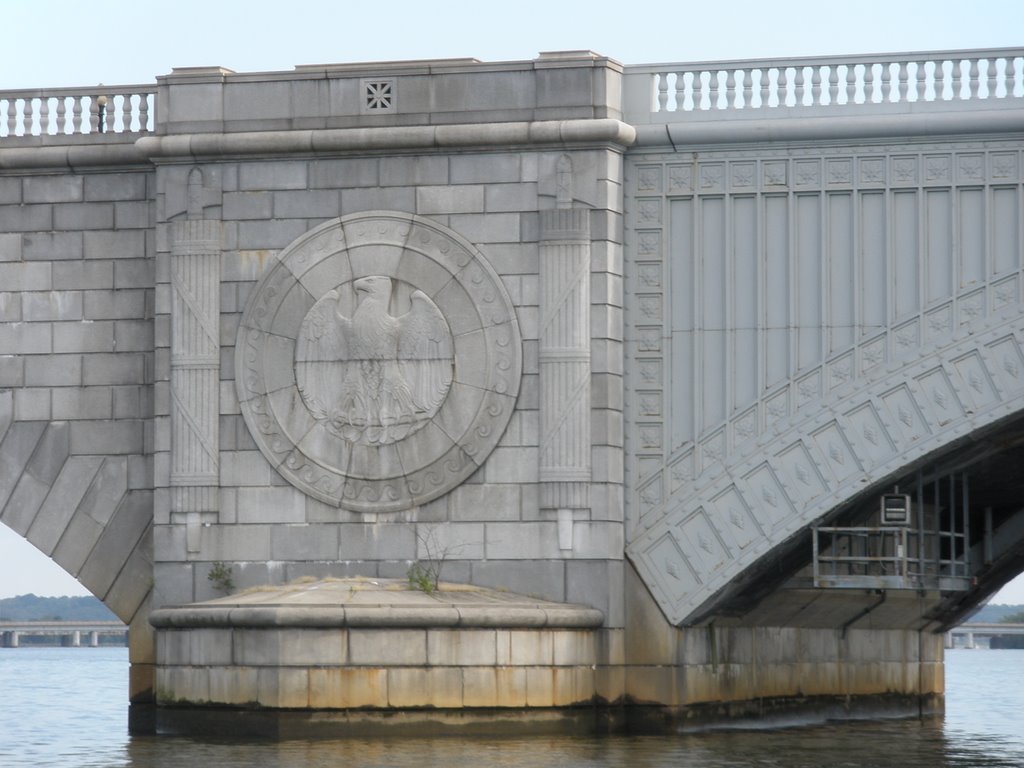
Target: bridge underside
[{"x": 976, "y": 488}]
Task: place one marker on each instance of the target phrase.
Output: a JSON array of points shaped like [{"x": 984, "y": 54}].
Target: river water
[{"x": 66, "y": 707}]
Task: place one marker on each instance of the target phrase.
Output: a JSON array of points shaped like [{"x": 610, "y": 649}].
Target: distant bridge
[
  {"x": 971, "y": 631},
  {"x": 11, "y": 632}
]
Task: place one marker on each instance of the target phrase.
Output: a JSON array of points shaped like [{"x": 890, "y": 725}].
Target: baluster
[
  {"x": 126, "y": 113},
  {"x": 783, "y": 87},
  {"x": 26, "y": 118},
  {"x": 662, "y": 81},
  {"x": 815, "y": 86},
  {"x": 730, "y": 89},
  {"x": 851, "y": 84},
  {"x": 764, "y": 81},
  {"x": 904, "y": 74},
  {"x": 1018, "y": 77},
  {"x": 76, "y": 114},
  {"x": 44, "y": 116},
  {"x": 887, "y": 82},
  {"x": 926, "y": 80},
  {"x": 714, "y": 89},
  {"x": 798, "y": 87},
  {"x": 679, "y": 92},
  {"x": 94, "y": 114},
  {"x": 13, "y": 113},
  {"x": 748, "y": 87},
  {"x": 973, "y": 85},
  {"x": 833, "y": 84},
  {"x": 991, "y": 78},
  {"x": 144, "y": 112},
  {"x": 62, "y": 114},
  {"x": 870, "y": 84},
  {"x": 956, "y": 72}
]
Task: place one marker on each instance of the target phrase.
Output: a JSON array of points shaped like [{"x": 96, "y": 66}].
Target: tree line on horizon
[{"x": 32, "y": 607}]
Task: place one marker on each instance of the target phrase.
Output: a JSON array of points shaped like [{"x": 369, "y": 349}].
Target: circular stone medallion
[{"x": 378, "y": 361}]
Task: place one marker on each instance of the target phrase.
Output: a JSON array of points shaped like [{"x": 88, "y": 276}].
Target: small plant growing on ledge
[
  {"x": 425, "y": 574},
  {"x": 422, "y": 577},
  {"x": 220, "y": 576}
]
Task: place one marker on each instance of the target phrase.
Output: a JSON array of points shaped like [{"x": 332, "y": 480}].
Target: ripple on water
[{"x": 70, "y": 711}]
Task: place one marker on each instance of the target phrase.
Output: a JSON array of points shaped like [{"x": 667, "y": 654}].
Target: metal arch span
[{"x": 712, "y": 530}]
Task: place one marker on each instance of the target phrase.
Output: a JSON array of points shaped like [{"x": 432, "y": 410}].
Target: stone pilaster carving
[
  {"x": 195, "y": 365},
  {"x": 565, "y": 356}
]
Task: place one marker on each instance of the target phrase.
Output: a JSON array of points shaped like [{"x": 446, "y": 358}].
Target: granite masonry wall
[
  {"x": 264, "y": 190},
  {"x": 76, "y": 367}
]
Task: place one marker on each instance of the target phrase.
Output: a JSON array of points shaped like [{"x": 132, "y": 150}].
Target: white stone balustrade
[
  {"x": 77, "y": 111},
  {"x": 709, "y": 88}
]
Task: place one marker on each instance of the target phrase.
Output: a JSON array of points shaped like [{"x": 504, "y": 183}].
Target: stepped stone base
[
  {"x": 361, "y": 656},
  {"x": 357, "y": 643}
]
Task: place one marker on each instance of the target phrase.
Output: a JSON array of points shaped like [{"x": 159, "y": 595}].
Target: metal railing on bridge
[
  {"x": 887, "y": 558},
  {"x": 911, "y": 541},
  {"x": 78, "y": 111},
  {"x": 706, "y": 89}
]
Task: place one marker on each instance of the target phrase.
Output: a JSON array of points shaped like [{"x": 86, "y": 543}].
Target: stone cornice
[
  {"x": 920, "y": 125},
  {"x": 77, "y": 155},
  {"x": 553, "y": 133},
  {"x": 71, "y": 156}
]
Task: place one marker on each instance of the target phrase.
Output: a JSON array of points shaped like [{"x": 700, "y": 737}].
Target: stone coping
[
  {"x": 92, "y": 151},
  {"x": 361, "y": 602},
  {"x": 423, "y": 137},
  {"x": 926, "y": 122}
]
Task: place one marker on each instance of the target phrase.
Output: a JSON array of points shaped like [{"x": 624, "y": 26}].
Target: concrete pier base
[
  {"x": 360, "y": 657},
  {"x": 377, "y": 644}
]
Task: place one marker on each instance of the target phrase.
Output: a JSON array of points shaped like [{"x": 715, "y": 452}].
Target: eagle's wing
[
  {"x": 320, "y": 347},
  {"x": 425, "y": 352}
]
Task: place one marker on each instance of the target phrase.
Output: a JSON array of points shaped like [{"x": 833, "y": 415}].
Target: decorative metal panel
[{"x": 799, "y": 320}]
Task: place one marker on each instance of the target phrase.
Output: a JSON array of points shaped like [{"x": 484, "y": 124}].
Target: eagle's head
[{"x": 375, "y": 286}]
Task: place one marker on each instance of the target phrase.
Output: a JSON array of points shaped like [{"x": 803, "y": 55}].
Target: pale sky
[{"x": 45, "y": 43}]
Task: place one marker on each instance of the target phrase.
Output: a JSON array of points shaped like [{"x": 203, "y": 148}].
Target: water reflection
[
  {"x": 65, "y": 707},
  {"x": 893, "y": 744}
]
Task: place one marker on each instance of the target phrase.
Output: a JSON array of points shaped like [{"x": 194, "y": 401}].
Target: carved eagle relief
[{"x": 374, "y": 378}]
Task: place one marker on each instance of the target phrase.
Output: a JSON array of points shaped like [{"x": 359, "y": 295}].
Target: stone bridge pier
[{"x": 441, "y": 392}]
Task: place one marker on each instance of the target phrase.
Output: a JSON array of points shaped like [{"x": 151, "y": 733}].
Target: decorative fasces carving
[
  {"x": 195, "y": 365},
  {"x": 565, "y": 355}
]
